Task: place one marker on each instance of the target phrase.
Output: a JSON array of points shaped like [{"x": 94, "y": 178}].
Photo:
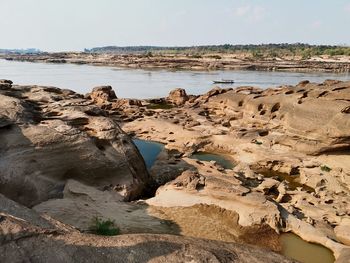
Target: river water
[{"x": 139, "y": 83}]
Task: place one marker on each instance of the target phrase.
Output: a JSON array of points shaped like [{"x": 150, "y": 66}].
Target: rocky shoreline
[
  {"x": 290, "y": 145},
  {"x": 71, "y": 157},
  {"x": 183, "y": 62}
]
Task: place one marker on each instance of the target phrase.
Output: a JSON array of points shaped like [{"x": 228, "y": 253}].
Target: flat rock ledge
[{"x": 25, "y": 236}]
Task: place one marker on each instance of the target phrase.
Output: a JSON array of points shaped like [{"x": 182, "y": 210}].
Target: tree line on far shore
[{"x": 256, "y": 51}]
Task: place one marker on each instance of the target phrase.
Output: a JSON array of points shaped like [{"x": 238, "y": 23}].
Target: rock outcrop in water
[
  {"x": 48, "y": 135},
  {"x": 291, "y": 149},
  {"x": 182, "y": 61},
  {"x": 65, "y": 155}
]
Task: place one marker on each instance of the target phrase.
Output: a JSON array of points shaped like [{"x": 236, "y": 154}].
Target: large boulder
[
  {"x": 177, "y": 97},
  {"x": 102, "y": 94},
  {"x": 48, "y": 136},
  {"x": 5, "y": 84}
]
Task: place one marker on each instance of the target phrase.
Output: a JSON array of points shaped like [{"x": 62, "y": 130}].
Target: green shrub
[
  {"x": 325, "y": 168},
  {"x": 104, "y": 227},
  {"x": 256, "y": 142}
]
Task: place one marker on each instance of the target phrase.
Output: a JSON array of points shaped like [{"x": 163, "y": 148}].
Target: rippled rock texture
[
  {"x": 25, "y": 236},
  {"x": 290, "y": 145},
  {"x": 48, "y": 135}
]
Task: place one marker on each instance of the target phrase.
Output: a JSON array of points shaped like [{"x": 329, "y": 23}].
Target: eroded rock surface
[
  {"x": 102, "y": 94},
  {"x": 290, "y": 146},
  {"x": 25, "y": 236},
  {"x": 48, "y": 135},
  {"x": 177, "y": 97},
  {"x": 309, "y": 118},
  {"x": 291, "y": 149}
]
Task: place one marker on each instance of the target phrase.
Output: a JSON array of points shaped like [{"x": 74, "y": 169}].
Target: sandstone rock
[
  {"x": 303, "y": 82},
  {"x": 82, "y": 203},
  {"x": 212, "y": 93},
  {"x": 5, "y": 81},
  {"x": 190, "y": 180},
  {"x": 162, "y": 172},
  {"x": 102, "y": 94},
  {"x": 297, "y": 130},
  {"x": 47, "y": 137},
  {"x": 25, "y": 236},
  {"x": 5, "y": 84},
  {"x": 342, "y": 231},
  {"x": 209, "y": 186},
  {"x": 177, "y": 97},
  {"x": 305, "y": 118},
  {"x": 119, "y": 103},
  {"x": 267, "y": 185}
]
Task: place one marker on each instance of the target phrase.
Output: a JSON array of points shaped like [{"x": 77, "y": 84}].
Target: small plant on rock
[
  {"x": 325, "y": 168},
  {"x": 256, "y": 142},
  {"x": 104, "y": 227}
]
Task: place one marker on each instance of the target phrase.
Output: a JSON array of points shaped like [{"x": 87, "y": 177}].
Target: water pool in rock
[
  {"x": 296, "y": 248},
  {"x": 221, "y": 160},
  {"x": 149, "y": 150}
]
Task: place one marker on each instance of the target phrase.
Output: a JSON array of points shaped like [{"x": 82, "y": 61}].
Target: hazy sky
[{"x": 75, "y": 24}]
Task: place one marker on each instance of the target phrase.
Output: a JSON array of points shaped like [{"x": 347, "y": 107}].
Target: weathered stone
[
  {"x": 102, "y": 94},
  {"x": 5, "y": 84},
  {"x": 177, "y": 97},
  {"x": 25, "y": 236},
  {"x": 45, "y": 142},
  {"x": 292, "y": 141},
  {"x": 342, "y": 231}
]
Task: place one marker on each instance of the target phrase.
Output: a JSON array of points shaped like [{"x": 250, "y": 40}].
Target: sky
[{"x": 69, "y": 25}]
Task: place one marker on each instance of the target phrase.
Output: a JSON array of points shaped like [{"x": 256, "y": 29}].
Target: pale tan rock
[
  {"x": 214, "y": 188},
  {"x": 267, "y": 185},
  {"x": 26, "y": 236},
  {"x": 81, "y": 204},
  {"x": 48, "y": 137},
  {"x": 287, "y": 133},
  {"x": 177, "y": 96},
  {"x": 342, "y": 231},
  {"x": 102, "y": 94},
  {"x": 306, "y": 116}
]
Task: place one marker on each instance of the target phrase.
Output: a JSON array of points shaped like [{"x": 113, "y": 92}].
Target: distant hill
[
  {"x": 271, "y": 50},
  {"x": 20, "y": 51}
]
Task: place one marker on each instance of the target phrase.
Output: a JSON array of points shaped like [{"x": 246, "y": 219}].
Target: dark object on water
[{"x": 224, "y": 81}]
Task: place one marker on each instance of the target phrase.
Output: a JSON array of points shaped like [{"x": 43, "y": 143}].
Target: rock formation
[
  {"x": 66, "y": 156},
  {"x": 177, "y": 97},
  {"x": 311, "y": 118},
  {"x": 182, "y": 61},
  {"x": 291, "y": 149},
  {"x": 25, "y": 236},
  {"x": 102, "y": 94},
  {"x": 48, "y": 135}
]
